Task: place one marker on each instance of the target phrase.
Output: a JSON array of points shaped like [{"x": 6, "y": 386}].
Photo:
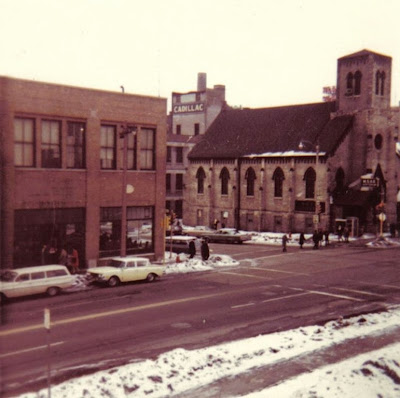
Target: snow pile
[
  {"x": 383, "y": 242},
  {"x": 182, "y": 370}
]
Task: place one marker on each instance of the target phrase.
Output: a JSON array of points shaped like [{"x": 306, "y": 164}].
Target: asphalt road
[{"x": 268, "y": 292}]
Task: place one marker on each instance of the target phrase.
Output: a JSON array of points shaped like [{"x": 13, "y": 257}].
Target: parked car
[
  {"x": 198, "y": 231},
  {"x": 227, "y": 235},
  {"x": 178, "y": 244},
  {"x": 50, "y": 279},
  {"x": 125, "y": 269}
]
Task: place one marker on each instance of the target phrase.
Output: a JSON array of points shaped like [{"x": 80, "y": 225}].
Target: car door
[
  {"x": 21, "y": 286},
  {"x": 39, "y": 282},
  {"x": 129, "y": 272},
  {"x": 142, "y": 269}
]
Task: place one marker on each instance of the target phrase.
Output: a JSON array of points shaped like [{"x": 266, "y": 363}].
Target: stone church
[{"x": 304, "y": 167}]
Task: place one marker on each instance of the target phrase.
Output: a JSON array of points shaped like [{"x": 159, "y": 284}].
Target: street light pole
[{"x": 124, "y": 135}]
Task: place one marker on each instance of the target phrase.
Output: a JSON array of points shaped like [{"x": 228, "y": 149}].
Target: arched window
[
  {"x": 200, "y": 176},
  {"x": 377, "y": 81},
  {"x": 357, "y": 83},
  {"x": 349, "y": 84},
  {"x": 380, "y": 83},
  {"x": 250, "y": 178},
  {"x": 224, "y": 176},
  {"x": 339, "y": 179},
  {"x": 278, "y": 178},
  {"x": 310, "y": 178}
]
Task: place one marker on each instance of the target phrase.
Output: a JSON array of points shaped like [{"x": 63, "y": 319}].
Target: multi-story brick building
[
  {"x": 62, "y": 172},
  {"x": 301, "y": 167},
  {"x": 192, "y": 114}
]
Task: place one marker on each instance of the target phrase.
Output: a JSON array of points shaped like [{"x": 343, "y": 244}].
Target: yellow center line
[
  {"x": 248, "y": 275},
  {"x": 109, "y": 313}
]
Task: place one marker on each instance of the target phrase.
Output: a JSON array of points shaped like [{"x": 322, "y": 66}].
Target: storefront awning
[{"x": 353, "y": 198}]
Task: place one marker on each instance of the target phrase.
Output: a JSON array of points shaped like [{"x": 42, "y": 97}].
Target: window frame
[
  {"x": 109, "y": 130},
  {"x": 147, "y": 148},
  {"x": 225, "y": 177},
  {"x": 27, "y": 145},
  {"x": 78, "y": 150},
  {"x": 278, "y": 177},
  {"x": 53, "y": 162}
]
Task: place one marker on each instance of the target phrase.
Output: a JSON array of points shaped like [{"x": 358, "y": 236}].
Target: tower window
[
  {"x": 378, "y": 141},
  {"x": 380, "y": 82},
  {"x": 357, "y": 83},
  {"x": 278, "y": 178},
  {"x": 349, "y": 84}
]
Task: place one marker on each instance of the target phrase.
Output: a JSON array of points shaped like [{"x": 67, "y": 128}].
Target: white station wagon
[
  {"x": 125, "y": 269},
  {"x": 50, "y": 279}
]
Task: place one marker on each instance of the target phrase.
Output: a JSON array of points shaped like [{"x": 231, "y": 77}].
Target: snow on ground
[{"x": 375, "y": 374}]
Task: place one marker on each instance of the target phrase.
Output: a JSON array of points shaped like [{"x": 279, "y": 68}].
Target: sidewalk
[{"x": 264, "y": 377}]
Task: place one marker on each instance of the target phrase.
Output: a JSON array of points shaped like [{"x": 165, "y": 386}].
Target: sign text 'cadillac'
[{"x": 189, "y": 108}]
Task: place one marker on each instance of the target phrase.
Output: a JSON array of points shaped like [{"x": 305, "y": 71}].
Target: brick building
[
  {"x": 302, "y": 167},
  {"x": 192, "y": 114},
  {"x": 62, "y": 172}
]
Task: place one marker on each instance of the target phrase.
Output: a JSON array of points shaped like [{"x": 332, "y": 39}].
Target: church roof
[
  {"x": 279, "y": 130},
  {"x": 362, "y": 53}
]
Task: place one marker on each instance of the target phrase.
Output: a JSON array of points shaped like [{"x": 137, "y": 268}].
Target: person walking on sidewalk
[{"x": 284, "y": 242}]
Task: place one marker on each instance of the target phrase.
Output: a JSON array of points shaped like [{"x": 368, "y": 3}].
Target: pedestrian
[
  {"x": 326, "y": 234},
  {"x": 346, "y": 234},
  {"x": 301, "y": 240},
  {"x": 63, "y": 258},
  {"x": 339, "y": 233},
  {"x": 216, "y": 222},
  {"x": 205, "y": 250},
  {"x": 315, "y": 239},
  {"x": 73, "y": 260},
  {"x": 192, "y": 249},
  {"x": 284, "y": 242}
]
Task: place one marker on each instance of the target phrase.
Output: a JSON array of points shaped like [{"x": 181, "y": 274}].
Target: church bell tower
[{"x": 363, "y": 82}]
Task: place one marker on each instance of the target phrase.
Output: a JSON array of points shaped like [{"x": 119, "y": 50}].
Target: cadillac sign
[{"x": 199, "y": 107}]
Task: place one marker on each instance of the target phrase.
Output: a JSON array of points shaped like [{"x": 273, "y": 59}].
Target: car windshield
[
  {"x": 7, "y": 276},
  {"x": 117, "y": 264}
]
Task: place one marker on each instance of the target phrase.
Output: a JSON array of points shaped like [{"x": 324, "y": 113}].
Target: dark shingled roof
[{"x": 242, "y": 132}]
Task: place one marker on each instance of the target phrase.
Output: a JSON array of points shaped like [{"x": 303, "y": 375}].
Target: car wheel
[
  {"x": 151, "y": 278},
  {"x": 53, "y": 291},
  {"x": 3, "y": 298},
  {"x": 113, "y": 281}
]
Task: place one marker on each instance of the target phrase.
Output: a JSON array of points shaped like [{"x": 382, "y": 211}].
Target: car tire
[
  {"x": 113, "y": 281},
  {"x": 53, "y": 291},
  {"x": 3, "y": 298},
  {"x": 151, "y": 278}
]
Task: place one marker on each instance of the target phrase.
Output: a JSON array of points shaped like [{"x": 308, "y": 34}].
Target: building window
[
  {"x": 178, "y": 129},
  {"x": 349, "y": 84},
  {"x": 379, "y": 83},
  {"x": 140, "y": 224},
  {"x": 224, "y": 176},
  {"x": 51, "y": 144},
  {"x": 179, "y": 182},
  {"x": 310, "y": 178},
  {"x": 75, "y": 145},
  {"x": 169, "y": 154},
  {"x": 378, "y": 141},
  {"x": 179, "y": 155},
  {"x": 278, "y": 178},
  {"x": 200, "y": 176},
  {"x": 339, "y": 179},
  {"x": 196, "y": 128},
  {"x": 357, "y": 83},
  {"x": 131, "y": 149},
  {"x": 147, "y": 149},
  {"x": 24, "y": 142},
  {"x": 168, "y": 183},
  {"x": 107, "y": 147},
  {"x": 250, "y": 178}
]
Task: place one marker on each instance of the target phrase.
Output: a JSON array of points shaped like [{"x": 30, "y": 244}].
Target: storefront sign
[
  {"x": 369, "y": 182},
  {"x": 189, "y": 108}
]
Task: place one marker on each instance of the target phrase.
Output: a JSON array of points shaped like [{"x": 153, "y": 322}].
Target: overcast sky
[{"x": 266, "y": 52}]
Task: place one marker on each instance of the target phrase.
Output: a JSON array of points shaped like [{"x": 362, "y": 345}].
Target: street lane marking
[
  {"x": 374, "y": 284},
  {"x": 42, "y": 347},
  {"x": 110, "y": 313},
  {"x": 285, "y": 297},
  {"x": 358, "y": 291},
  {"x": 248, "y": 275},
  {"x": 242, "y": 305},
  {"x": 276, "y": 270},
  {"x": 327, "y": 294}
]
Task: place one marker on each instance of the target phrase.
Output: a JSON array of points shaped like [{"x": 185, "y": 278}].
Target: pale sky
[{"x": 266, "y": 52}]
